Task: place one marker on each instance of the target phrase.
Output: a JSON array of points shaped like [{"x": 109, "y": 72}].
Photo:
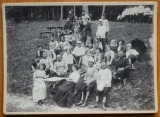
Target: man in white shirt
[
  {"x": 103, "y": 82},
  {"x": 101, "y": 33},
  {"x": 131, "y": 55},
  {"x": 78, "y": 52}
]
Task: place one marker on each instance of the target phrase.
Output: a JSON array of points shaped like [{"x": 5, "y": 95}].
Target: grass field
[{"x": 22, "y": 42}]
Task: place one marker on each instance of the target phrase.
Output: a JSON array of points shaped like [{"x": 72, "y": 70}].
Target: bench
[
  {"x": 53, "y": 27},
  {"x": 48, "y": 33}
]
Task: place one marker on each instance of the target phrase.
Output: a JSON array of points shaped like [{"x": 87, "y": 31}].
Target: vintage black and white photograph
[{"x": 80, "y": 58}]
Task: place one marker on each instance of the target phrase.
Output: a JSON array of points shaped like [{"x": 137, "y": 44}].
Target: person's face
[
  {"x": 68, "y": 51},
  {"x": 45, "y": 55},
  {"x": 89, "y": 53},
  {"x": 40, "y": 48},
  {"x": 59, "y": 58},
  {"x": 41, "y": 67},
  {"x": 79, "y": 44},
  {"x": 120, "y": 43},
  {"x": 128, "y": 47},
  {"x": 96, "y": 40},
  {"x": 101, "y": 23},
  {"x": 70, "y": 12},
  {"x": 68, "y": 19},
  {"x": 97, "y": 51},
  {"x": 73, "y": 68},
  {"x": 103, "y": 65},
  {"x": 62, "y": 39},
  {"x": 90, "y": 63},
  {"x": 83, "y": 13}
]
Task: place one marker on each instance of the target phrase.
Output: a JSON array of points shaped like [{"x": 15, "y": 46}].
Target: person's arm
[
  {"x": 54, "y": 56},
  {"x": 51, "y": 64},
  {"x": 66, "y": 67},
  {"x": 56, "y": 46},
  {"x": 55, "y": 67},
  {"x": 107, "y": 25},
  {"x": 74, "y": 51},
  {"x": 108, "y": 78}
]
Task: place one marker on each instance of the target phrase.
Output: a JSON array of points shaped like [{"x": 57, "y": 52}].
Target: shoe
[
  {"x": 84, "y": 104},
  {"x": 79, "y": 103},
  {"x": 95, "y": 105},
  {"x": 104, "y": 107}
]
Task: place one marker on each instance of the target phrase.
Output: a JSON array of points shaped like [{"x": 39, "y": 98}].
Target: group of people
[
  {"x": 84, "y": 68},
  {"x": 140, "y": 14}
]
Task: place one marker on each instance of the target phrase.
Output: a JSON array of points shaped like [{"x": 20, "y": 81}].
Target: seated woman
[
  {"x": 64, "y": 89},
  {"x": 39, "y": 89},
  {"x": 98, "y": 58},
  {"x": 113, "y": 45}
]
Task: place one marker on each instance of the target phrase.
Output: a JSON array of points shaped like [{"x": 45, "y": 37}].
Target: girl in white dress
[{"x": 39, "y": 89}]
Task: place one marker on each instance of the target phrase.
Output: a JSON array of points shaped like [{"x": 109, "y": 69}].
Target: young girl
[{"x": 39, "y": 89}]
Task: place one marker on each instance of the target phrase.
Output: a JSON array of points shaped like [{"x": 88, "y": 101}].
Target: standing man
[
  {"x": 84, "y": 17},
  {"x": 101, "y": 34}
]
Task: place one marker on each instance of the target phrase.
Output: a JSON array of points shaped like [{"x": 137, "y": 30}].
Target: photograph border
[{"x": 81, "y": 3}]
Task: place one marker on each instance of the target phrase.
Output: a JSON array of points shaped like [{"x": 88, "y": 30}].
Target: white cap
[
  {"x": 66, "y": 48},
  {"x": 90, "y": 60},
  {"x": 129, "y": 45},
  {"x": 79, "y": 42}
]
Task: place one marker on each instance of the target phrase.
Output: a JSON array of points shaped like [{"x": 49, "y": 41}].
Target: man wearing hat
[
  {"x": 89, "y": 82},
  {"x": 60, "y": 67},
  {"x": 78, "y": 52},
  {"x": 101, "y": 33}
]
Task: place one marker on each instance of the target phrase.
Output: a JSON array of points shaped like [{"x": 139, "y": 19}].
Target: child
[
  {"x": 103, "y": 84},
  {"x": 113, "y": 45},
  {"x": 97, "y": 44},
  {"x": 98, "y": 57},
  {"x": 39, "y": 89},
  {"x": 89, "y": 82}
]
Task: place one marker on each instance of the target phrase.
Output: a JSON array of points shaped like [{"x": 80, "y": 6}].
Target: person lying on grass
[
  {"x": 131, "y": 55},
  {"x": 39, "y": 89},
  {"x": 89, "y": 82},
  {"x": 60, "y": 68},
  {"x": 103, "y": 82}
]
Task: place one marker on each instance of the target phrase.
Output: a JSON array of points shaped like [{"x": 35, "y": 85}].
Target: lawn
[{"x": 22, "y": 42}]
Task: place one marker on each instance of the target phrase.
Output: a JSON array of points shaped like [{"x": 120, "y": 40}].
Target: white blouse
[{"x": 74, "y": 76}]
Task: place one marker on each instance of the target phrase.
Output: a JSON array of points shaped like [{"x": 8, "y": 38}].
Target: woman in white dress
[{"x": 39, "y": 89}]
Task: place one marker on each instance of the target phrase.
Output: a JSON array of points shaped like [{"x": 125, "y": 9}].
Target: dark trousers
[{"x": 104, "y": 42}]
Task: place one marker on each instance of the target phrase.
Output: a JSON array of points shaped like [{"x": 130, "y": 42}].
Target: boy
[
  {"x": 89, "y": 82},
  {"x": 103, "y": 84}
]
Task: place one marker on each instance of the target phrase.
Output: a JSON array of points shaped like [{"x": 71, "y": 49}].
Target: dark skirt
[{"x": 64, "y": 93}]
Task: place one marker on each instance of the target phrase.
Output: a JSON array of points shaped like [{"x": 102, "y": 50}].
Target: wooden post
[
  {"x": 61, "y": 17},
  {"x": 74, "y": 10}
]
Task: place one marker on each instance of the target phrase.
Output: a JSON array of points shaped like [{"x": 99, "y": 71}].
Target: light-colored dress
[{"x": 39, "y": 89}]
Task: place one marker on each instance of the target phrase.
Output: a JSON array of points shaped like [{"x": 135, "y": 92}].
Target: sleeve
[
  {"x": 97, "y": 33},
  {"x": 51, "y": 64},
  {"x": 56, "y": 45},
  {"x": 107, "y": 25},
  {"x": 83, "y": 51},
  {"x": 66, "y": 67},
  {"x": 55, "y": 67},
  {"x": 34, "y": 75},
  {"x": 127, "y": 54},
  {"x": 108, "y": 77},
  {"x": 54, "y": 55},
  {"x": 74, "y": 51}
]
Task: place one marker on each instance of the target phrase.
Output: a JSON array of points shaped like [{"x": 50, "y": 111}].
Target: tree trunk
[
  {"x": 86, "y": 9},
  {"x": 61, "y": 15},
  {"x": 74, "y": 11},
  {"x": 103, "y": 10}
]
